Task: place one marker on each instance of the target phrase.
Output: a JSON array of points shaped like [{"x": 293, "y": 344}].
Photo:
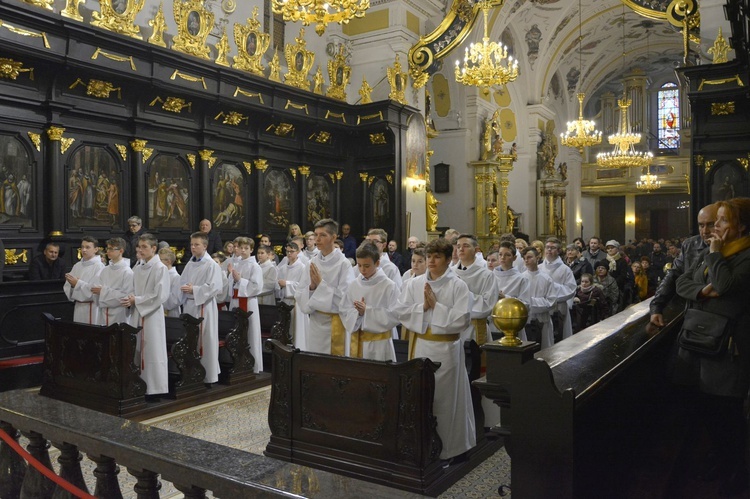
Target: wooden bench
[
  {"x": 235, "y": 360},
  {"x": 186, "y": 373},
  {"x": 275, "y": 323}
]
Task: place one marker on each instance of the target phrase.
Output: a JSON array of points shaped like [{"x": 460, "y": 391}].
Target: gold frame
[
  {"x": 186, "y": 41},
  {"x": 123, "y": 22},
  {"x": 397, "y": 79},
  {"x": 244, "y": 60},
  {"x": 336, "y": 66},
  {"x": 298, "y": 55}
]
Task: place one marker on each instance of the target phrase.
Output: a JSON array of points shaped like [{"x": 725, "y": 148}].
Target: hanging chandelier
[
  {"x": 483, "y": 62},
  {"x": 581, "y": 133},
  {"x": 321, "y": 12},
  {"x": 648, "y": 182}
]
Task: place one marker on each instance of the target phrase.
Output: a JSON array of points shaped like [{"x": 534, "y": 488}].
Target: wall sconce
[
  {"x": 416, "y": 184},
  {"x": 630, "y": 220}
]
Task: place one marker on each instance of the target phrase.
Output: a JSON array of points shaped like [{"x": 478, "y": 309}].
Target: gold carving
[
  {"x": 65, "y": 143},
  {"x": 318, "y": 82},
  {"x": 275, "y": 67},
  {"x": 370, "y": 181},
  {"x": 12, "y": 258},
  {"x": 159, "y": 25},
  {"x": 721, "y": 81},
  {"x": 188, "y": 77},
  {"x": 71, "y": 10},
  {"x": 304, "y": 170},
  {"x": 299, "y": 60},
  {"x": 138, "y": 144},
  {"x": 282, "y": 129},
  {"x": 252, "y": 44},
  {"x": 301, "y": 107},
  {"x": 147, "y": 152},
  {"x": 261, "y": 164},
  {"x": 36, "y": 139},
  {"x": 389, "y": 178},
  {"x": 397, "y": 81},
  {"x": 366, "y": 117},
  {"x": 178, "y": 253},
  {"x": 222, "y": 49},
  {"x": 339, "y": 74},
  {"x": 365, "y": 92},
  {"x": 25, "y": 32},
  {"x": 698, "y": 160},
  {"x": 119, "y": 19},
  {"x": 98, "y": 88},
  {"x": 332, "y": 177},
  {"x": 321, "y": 137},
  {"x": 745, "y": 162},
  {"x": 363, "y": 177},
  {"x": 191, "y": 160},
  {"x": 293, "y": 172},
  {"x": 722, "y": 108},
  {"x": 123, "y": 151},
  {"x": 113, "y": 57},
  {"x": 248, "y": 167},
  {"x": 251, "y": 95},
  {"x": 194, "y": 23},
  {"x": 205, "y": 154},
  {"x": 45, "y": 4},
  {"x": 336, "y": 115},
  {"x": 709, "y": 164},
  {"x": 377, "y": 138},
  {"x": 719, "y": 49},
  {"x": 232, "y": 118},
  {"x": 55, "y": 133},
  {"x": 11, "y": 69},
  {"x": 339, "y": 175}
]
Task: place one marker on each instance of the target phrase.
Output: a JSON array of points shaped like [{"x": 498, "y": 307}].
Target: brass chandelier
[
  {"x": 581, "y": 133},
  {"x": 320, "y": 12},
  {"x": 648, "y": 182},
  {"x": 483, "y": 62}
]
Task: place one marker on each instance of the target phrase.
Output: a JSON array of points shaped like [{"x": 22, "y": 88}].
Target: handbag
[{"x": 704, "y": 332}]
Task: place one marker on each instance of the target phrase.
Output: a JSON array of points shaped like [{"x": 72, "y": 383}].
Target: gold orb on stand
[{"x": 510, "y": 316}]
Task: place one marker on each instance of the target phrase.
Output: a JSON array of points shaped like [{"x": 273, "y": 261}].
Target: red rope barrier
[{"x": 43, "y": 469}]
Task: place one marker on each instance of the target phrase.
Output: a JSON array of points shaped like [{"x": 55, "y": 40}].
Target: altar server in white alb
[
  {"x": 151, "y": 290},
  {"x": 270, "y": 275},
  {"x": 78, "y": 281},
  {"x": 367, "y": 308},
  {"x": 245, "y": 284},
  {"x": 542, "y": 297},
  {"x": 320, "y": 292},
  {"x": 379, "y": 238},
  {"x": 437, "y": 307},
  {"x": 481, "y": 284},
  {"x": 200, "y": 284},
  {"x": 565, "y": 283},
  {"x": 290, "y": 275},
  {"x": 510, "y": 282},
  {"x": 114, "y": 283},
  {"x": 173, "y": 306}
]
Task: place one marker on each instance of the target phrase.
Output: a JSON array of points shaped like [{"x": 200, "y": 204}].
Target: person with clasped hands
[{"x": 719, "y": 282}]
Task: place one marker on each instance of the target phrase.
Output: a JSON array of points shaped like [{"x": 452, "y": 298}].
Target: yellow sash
[
  {"x": 429, "y": 337},
  {"x": 359, "y": 337},
  {"x": 338, "y": 335}
]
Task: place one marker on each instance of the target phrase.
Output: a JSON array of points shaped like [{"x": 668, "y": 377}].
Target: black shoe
[
  {"x": 736, "y": 484},
  {"x": 208, "y": 385}
]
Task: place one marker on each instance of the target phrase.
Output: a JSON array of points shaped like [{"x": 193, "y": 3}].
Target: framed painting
[
  {"x": 228, "y": 209},
  {"x": 278, "y": 193},
  {"x": 168, "y": 193},
  {"x": 17, "y": 201},
  {"x": 119, "y": 16},
  {"x": 728, "y": 180},
  {"x": 319, "y": 197},
  {"x": 380, "y": 203},
  {"x": 194, "y": 23},
  {"x": 94, "y": 185},
  {"x": 251, "y": 43},
  {"x": 416, "y": 146}
]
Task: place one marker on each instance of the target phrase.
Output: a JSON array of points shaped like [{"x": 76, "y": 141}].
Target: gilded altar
[{"x": 491, "y": 197}]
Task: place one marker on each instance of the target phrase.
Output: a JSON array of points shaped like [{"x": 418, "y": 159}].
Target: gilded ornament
[
  {"x": 321, "y": 137},
  {"x": 113, "y": 57},
  {"x": 205, "y": 154},
  {"x": 339, "y": 74},
  {"x": 25, "y": 32},
  {"x": 55, "y": 133},
  {"x": 318, "y": 82},
  {"x": 147, "y": 152},
  {"x": 304, "y": 170},
  {"x": 248, "y": 167},
  {"x": 12, "y": 258},
  {"x": 340, "y": 116},
  {"x": 377, "y": 138},
  {"x": 719, "y": 49},
  {"x": 301, "y": 107},
  {"x": 419, "y": 79},
  {"x": 159, "y": 25},
  {"x": 698, "y": 160},
  {"x": 98, "y": 88},
  {"x": 211, "y": 162},
  {"x": 317, "y": 11},
  {"x": 252, "y": 44},
  {"x": 232, "y": 118},
  {"x": 721, "y": 81},
  {"x": 363, "y": 177},
  {"x": 722, "y": 108},
  {"x": 332, "y": 177},
  {"x": 71, "y": 10},
  {"x": 11, "y": 69},
  {"x": 745, "y": 162},
  {"x": 123, "y": 151},
  {"x": 282, "y": 129},
  {"x": 119, "y": 19},
  {"x": 188, "y": 77},
  {"x": 370, "y": 181},
  {"x": 239, "y": 91},
  {"x": 365, "y": 92},
  {"x": 194, "y": 23},
  {"x": 138, "y": 144},
  {"x": 299, "y": 60},
  {"x": 367, "y": 117},
  {"x": 36, "y": 139},
  {"x": 293, "y": 172},
  {"x": 389, "y": 178},
  {"x": 275, "y": 67},
  {"x": 45, "y": 4},
  {"x": 709, "y": 164},
  {"x": 178, "y": 253},
  {"x": 261, "y": 164},
  {"x": 339, "y": 174},
  {"x": 172, "y": 104},
  {"x": 65, "y": 143},
  {"x": 397, "y": 81},
  {"x": 222, "y": 49},
  {"x": 191, "y": 160}
]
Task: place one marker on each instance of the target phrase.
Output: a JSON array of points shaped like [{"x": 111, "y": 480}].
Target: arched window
[{"x": 668, "y": 102}]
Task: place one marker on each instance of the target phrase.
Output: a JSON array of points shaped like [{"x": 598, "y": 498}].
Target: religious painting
[
  {"x": 228, "y": 197},
  {"x": 16, "y": 174},
  {"x": 318, "y": 199},
  {"x": 168, "y": 193},
  {"x": 278, "y": 192},
  {"x": 728, "y": 180},
  {"x": 94, "y": 188},
  {"x": 380, "y": 203},
  {"x": 194, "y": 23},
  {"x": 416, "y": 146}
]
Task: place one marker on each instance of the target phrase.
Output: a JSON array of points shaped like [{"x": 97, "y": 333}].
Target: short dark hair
[
  {"x": 148, "y": 238},
  {"x": 200, "y": 235},
  {"x": 529, "y": 249},
  {"x": 330, "y": 225},
  {"x": 90, "y": 239},
  {"x": 440, "y": 245},
  {"x": 470, "y": 237},
  {"x": 509, "y": 245},
  {"x": 368, "y": 250},
  {"x": 292, "y": 245},
  {"x": 117, "y": 242}
]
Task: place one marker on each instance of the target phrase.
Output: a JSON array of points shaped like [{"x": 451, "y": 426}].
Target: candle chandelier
[
  {"x": 483, "y": 62},
  {"x": 320, "y": 12},
  {"x": 581, "y": 133},
  {"x": 648, "y": 182}
]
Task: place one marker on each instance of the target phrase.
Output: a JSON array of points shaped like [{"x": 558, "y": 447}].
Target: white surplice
[
  {"x": 244, "y": 295},
  {"x": 542, "y": 298},
  {"x": 513, "y": 284},
  {"x": 173, "y": 306},
  {"x": 270, "y": 283},
  {"x": 565, "y": 285},
  {"x": 293, "y": 275},
  {"x": 86, "y": 310},
  {"x": 388, "y": 267},
  {"x": 482, "y": 287},
  {"x": 116, "y": 281}
]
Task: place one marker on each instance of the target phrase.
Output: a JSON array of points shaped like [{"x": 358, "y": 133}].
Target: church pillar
[
  {"x": 138, "y": 177},
  {"x": 304, "y": 172},
  {"x": 56, "y": 179},
  {"x": 364, "y": 178},
  {"x": 204, "y": 186},
  {"x": 261, "y": 165}
]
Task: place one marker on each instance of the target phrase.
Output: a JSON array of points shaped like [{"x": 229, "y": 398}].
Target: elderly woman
[
  {"x": 578, "y": 265},
  {"x": 719, "y": 283},
  {"x": 608, "y": 285}
]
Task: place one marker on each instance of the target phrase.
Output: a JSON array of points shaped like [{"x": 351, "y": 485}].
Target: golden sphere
[{"x": 510, "y": 316}]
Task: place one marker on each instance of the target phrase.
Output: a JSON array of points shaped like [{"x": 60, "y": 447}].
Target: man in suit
[{"x": 214, "y": 238}]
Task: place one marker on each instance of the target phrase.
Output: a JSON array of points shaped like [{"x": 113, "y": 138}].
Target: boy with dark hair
[
  {"x": 270, "y": 275},
  {"x": 78, "y": 281},
  {"x": 173, "y": 306},
  {"x": 245, "y": 284},
  {"x": 290, "y": 275},
  {"x": 113, "y": 283}
]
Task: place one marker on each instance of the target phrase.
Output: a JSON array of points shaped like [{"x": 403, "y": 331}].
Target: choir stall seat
[{"x": 186, "y": 373}]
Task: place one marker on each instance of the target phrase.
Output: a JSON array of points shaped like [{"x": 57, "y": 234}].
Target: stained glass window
[{"x": 669, "y": 116}]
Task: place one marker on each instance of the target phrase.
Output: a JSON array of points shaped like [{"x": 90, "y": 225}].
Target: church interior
[{"x": 182, "y": 110}]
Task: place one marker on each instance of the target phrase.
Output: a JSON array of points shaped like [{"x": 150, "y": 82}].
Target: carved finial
[{"x": 719, "y": 49}]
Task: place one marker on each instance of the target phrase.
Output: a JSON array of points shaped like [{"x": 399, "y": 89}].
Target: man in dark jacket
[
  {"x": 658, "y": 260},
  {"x": 595, "y": 253},
  {"x": 48, "y": 265},
  {"x": 576, "y": 263},
  {"x": 214, "y": 238},
  {"x": 135, "y": 230}
]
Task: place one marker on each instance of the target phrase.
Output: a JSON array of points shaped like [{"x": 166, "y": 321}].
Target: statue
[
  {"x": 222, "y": 49},
  {"x": 364, "y": 92},
  {"x": 494, "y": 217},
  {"x": 487, "y": 140},
  {"x": 497, "y": 146},
  {"x": 275, "y": 67},
  {"x": 432, "y": 211},
  {"x": 563, "y": 169},
  {"x": 318, "y": 82},
  {"x": 511, "y": 220},
  {"x": 159, "y": 25},
  {"x": 547, "y": 151},
  {"x": 514, "y": 150}
]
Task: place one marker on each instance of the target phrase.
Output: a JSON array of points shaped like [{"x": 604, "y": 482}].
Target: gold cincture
[
  {"x": 194, "y": 23},
  {"x": 120, "y": 19},
  {"x": 320, "y": 12},
  {"x": 299, "y": 60},
  {"x": 252, "y": 44}
]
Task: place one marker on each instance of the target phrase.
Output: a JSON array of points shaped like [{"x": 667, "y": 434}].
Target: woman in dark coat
[{"x": 719, "y": 283}]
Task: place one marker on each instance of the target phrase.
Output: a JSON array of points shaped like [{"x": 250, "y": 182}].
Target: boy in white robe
[
  {"x": 542, "y": 295},
  {"x": 481, "y": 285},
  {"x": 321, "y": 289},
  {"x": 78, "y": 281},
  {"x": 437, "y": 307},
  {"x": 173, "y": 306},
  {"x": 379, "y": 238},
  {"x": 270, "y": 275},
  {"x": 200, "y": 284},
  {"x": 290, "y": 275},
  {"x": 367, "y": 309},
  {"x": 310, "y": 249},
  {"x": 113, "y": 283},
  {"x": 510, "y": 282},
  {"x": 246, "y": 283},
  {"x": 565, "y": 282},
  {"x": 418, "y": 266},
  {"x": 151, "y": 290}
]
